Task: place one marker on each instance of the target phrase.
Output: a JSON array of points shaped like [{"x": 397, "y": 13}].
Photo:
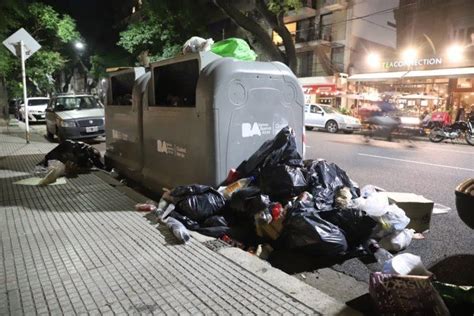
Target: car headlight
[{"x": 67, "y": 123}]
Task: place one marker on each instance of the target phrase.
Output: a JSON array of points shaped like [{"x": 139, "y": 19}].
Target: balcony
[
  {"x": 333, "y": 5},
  {"x": 302, "y": 13}
]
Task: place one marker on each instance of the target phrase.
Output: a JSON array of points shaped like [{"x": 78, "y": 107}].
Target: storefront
[
  {"x": 323, "y": 90},
  {"x": 428, "y": 84}
]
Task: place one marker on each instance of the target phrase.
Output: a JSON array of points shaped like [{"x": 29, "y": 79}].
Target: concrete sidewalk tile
[{"x": 88, "y": 251}]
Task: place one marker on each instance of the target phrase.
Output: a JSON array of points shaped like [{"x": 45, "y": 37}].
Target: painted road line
[
  {"x": 448, "y": 150},
  {"x": 415, "y": 162}
]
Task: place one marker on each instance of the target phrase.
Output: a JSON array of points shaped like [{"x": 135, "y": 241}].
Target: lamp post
[{"x": 80, "y": 47}]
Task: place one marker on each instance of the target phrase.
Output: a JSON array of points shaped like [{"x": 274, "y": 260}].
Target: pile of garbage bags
[{"x": 276, "y": 198}]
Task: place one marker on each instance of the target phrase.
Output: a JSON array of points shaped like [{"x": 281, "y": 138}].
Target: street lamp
[
  {"x": 455, "y": 53},
  {"x": 79, "y": 45},
  {"x": 373, "y": 60},
  {"x": 409, "y": 55}
]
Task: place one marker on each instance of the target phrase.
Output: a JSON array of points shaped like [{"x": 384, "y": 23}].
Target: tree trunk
[
  {"x": 278, "y": 25},
  {"x": 250, "y": 25}
]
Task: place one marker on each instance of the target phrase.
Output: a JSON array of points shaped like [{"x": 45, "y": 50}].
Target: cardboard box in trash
[
  {"x": 405, "y": 295},
  {"x": 416, "y": 207},
  {"x": 271, "y": 230}
]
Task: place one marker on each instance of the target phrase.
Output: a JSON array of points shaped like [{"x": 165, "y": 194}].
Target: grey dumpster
[
  {"x": 205, "y": 114},
  {"x": 123, "y": 118}
]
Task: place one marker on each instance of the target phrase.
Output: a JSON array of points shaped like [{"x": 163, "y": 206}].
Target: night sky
[{"x": 99, "y": 21}]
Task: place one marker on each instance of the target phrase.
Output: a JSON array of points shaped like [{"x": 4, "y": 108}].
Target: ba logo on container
[{"x": 249, "y": 130}]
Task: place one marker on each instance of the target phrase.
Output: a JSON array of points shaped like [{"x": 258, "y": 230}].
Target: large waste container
[
  {"x": 123, "y": 117},
  {"x": 204, "y": 114}
]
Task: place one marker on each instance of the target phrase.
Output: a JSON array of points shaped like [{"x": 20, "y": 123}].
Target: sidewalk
[{"x": 81, "y": 248}]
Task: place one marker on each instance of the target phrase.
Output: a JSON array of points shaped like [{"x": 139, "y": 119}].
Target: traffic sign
[{"x": 12, "y": 43}]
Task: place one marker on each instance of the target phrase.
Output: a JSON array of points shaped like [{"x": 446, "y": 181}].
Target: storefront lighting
[
  {"x": 455, "y": 53},
  {"x": 373, "y": 60},
  {"x": 409, "y": 55}
]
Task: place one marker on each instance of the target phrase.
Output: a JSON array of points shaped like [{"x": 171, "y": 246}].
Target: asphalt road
[{"x": 432, "y": 170}]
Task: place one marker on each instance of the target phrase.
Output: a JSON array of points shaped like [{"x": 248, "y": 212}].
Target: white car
[
  {"x": 328, "y": 118},
  {"x": 36, "y": 109}
]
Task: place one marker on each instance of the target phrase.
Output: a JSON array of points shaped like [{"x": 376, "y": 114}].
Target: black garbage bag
[
  {"x": 355, "y": 224},
  {"x": 305, "y": 230},
  {"x": 280, "y": 150},
  {"x": 80, "y": 154},
  {"x": 196, "y": 201},
  {"x": 186, "y": 221},
  {"x": 324, "y": 179},
  {"x": 216, "y": 232},
  {"x": 282, "y": 182},
  {"x": 248, "y": 201},
  {"x": 215, "y": 221}
]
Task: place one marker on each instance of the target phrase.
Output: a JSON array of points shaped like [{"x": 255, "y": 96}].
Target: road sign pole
[{"x": 25, "y": 97}]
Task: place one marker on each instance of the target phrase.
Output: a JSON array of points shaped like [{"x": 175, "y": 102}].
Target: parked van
[{"x": 196, "y": 116}]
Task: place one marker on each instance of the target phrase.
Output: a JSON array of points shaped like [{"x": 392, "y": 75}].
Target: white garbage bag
[
  {"x": 397, "y": 240},
  {"x": 197, "y": 44}
]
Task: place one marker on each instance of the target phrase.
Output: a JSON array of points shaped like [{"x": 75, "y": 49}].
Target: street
[{"x": 432, "y": 170}]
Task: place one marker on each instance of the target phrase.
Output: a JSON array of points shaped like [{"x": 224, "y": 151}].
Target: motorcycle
[{"x": 454, "y": 131}]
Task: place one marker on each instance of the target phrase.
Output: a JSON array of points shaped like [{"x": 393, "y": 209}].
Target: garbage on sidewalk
[
  {"x": 75, "y": 155},
  {"x": 275, "y": 198},
  {"x": 53, "y": 174}
]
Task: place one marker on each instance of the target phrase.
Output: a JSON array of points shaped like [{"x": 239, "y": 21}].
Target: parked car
[
  {"x": 36, "y": 109},
  {"x": 328, "y": 118},
  {"x": 75, "y": 117}
]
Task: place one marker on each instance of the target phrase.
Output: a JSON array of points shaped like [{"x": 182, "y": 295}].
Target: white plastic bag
[
  {"x": 405, "y": 264},
  {"x": 197, "y": 44},
  {"x": 375, "y": 205},
  {"x": 367, "y": 190},
  {"x": 393, "y": 219},
  {"x": 398, "y": 240}
]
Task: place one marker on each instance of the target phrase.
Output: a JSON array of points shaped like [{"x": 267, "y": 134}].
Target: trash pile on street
[{"x": 276, "y": 199}]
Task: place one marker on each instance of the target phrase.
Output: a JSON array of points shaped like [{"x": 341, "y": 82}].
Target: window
[
  {"x": 325, "y": 31},
  {"x": 305, "y": 64},
  {"x": 337, "y": 58},
  {"x": 175, "y": 84},
  {"x": 305, "y": 30},
  {"x": 291, "y": 27},
  {"x": 76, "y": 103},
  {"x": 121, "y": 89},
  {"x": 315, "y": 109}
]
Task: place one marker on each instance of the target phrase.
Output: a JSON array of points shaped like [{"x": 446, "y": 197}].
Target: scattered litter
[
  {"x": 197, "y": 44},
  {"x": 178, "y": 229},
  {"x": 440, "y": 209},
  {"x": 148, "y": 206},
  {"x": 398, "y": 240},
  {"x": 405, "y": 264}
]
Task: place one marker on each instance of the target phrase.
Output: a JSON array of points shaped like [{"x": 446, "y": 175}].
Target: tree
[
  {"x": 162, "y": 28},
  {"x": 272, "y": 12},
  {"x": 55, "y": 33}
]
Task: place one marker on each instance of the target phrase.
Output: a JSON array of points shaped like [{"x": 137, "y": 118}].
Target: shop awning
[
  {"x": 448, "y": 72},
  {"x": 377, "y": 76},
  {"x": 435, "y": 73}
]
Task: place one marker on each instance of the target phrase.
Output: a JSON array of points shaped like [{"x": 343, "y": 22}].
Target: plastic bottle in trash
[
  {"x": 178, "y": 229},
  {"x": 235, "y": 186},
  {"x": 379, "y": 253}
]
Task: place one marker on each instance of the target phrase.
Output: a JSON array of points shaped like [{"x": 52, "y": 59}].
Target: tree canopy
[{"x": 54, "y": 31}]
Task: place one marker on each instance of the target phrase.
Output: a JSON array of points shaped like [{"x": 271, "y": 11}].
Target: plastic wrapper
[
  {"x": 305, "y": 230},
  {"x": 234, "y": 47},
  {"x": 145, "y": 207},
  {"x": 405, "y": 264},
  {"x": 282, "y": 182},
  {"x": 248, "y": 201},
  {"x": 82, "y": 155},
  {"x": 197, "y": 44},
  {"x": 178, "y": 229},
  {"x": 186, "y": 221},
  {"x": 343, "y": 198},
  {"x": 394, "y": 219},
  {"x": 375, "y": 204},
  {"x": 324, "y": 179},
  {"x": 197, "y": 202},
  {"x": 405, "y": 295},
  {"x": 279, "y": 150},
  {"x": 356, "y": 225},
  {"x": 398, "y": 240}
]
